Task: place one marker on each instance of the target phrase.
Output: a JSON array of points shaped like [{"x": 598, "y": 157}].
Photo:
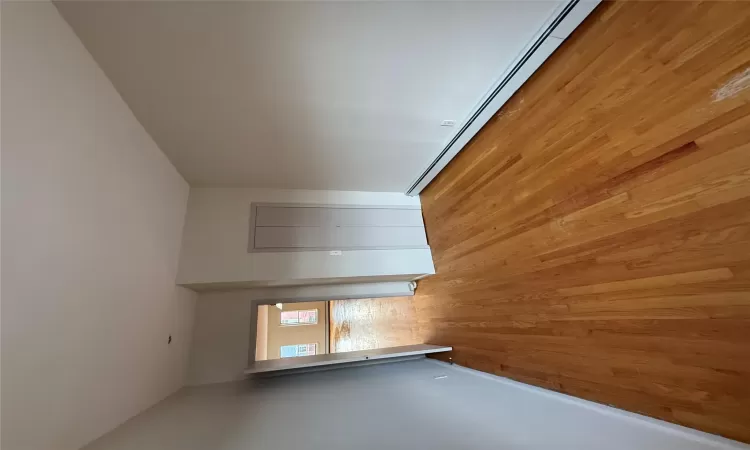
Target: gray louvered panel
[
  {"x": 339, "y": 237},
  {"x": 289, "y": 216}
]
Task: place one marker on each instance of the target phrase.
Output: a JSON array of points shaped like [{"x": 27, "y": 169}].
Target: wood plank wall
[{"x": 594, "y": 237}]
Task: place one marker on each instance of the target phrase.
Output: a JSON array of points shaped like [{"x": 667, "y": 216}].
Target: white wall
[
  {"x": 224, "y": 332},
  {"x": 214, "y": 245},
  {"x": 313, "y": 95},
  {"x": 92, "y": 216},
  {"x": 394, "y": 406}
]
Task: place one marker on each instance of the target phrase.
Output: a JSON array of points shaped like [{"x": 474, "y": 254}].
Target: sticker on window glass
[
  {"x": 308, "y": 317},
  {"x": 289, "y": 317},
  {"x": 292, "y": 351}
]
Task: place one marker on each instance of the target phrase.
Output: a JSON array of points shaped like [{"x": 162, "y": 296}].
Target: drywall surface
[
  {"x": 279, "y": 334},
  {"x": 420, "y": 404},
  {"x": 312, "y": 95},
  {"x": 217, "y": 227},
  {"x": 92, "y": 215},
  {"x": 225, "y": 331}
]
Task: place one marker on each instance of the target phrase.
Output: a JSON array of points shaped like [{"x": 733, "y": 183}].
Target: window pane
[{"x": 310, "y": 316}]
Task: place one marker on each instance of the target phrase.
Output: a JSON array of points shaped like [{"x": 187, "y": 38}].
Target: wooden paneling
[
  {"x": 594, "y": 237},
  {"x": 372, "y": 323}
]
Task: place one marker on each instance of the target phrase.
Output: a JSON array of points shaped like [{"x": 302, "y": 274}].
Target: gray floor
[{"x": 411, "y": 405}]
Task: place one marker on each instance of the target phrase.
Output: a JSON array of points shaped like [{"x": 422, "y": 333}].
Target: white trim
[
  {"x": 661, "y": 425},
  {"x": 328, "y": 359},
  {"x": 558, "y": 27},
  {"x": 574, "y": 18}
]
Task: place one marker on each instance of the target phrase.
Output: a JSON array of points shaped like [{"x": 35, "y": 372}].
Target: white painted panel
[
  {"x": 288, "y": 216},
  {"x": 339, "y": 237},
  {"x": 216, "y": 237}
]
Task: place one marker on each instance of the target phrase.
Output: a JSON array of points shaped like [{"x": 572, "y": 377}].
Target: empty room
[{"x": 329, "y": 225}]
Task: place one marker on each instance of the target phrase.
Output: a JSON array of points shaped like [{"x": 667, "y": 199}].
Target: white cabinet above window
[{"x": 279, "y": 227}]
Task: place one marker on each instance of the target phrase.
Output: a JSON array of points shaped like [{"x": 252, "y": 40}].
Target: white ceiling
[{"x": 310, "y": 95}]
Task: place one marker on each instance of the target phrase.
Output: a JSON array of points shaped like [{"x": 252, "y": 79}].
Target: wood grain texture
[
  {"x": 372, "y": 323},
  {"x": 594, "y": 237}
]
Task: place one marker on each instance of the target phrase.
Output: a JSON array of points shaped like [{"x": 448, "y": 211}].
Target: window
[
  {"x": 308, "y": 317},
  {"x": 292, "y": 351}
]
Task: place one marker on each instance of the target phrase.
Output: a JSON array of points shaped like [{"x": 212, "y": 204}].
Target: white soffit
[{"x": 305, "y": 95}]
